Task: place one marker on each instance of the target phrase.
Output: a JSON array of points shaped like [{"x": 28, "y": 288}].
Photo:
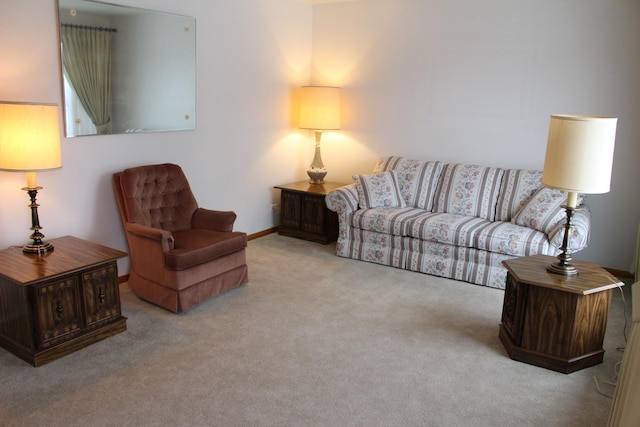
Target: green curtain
[{"x": 86, "y": 59}]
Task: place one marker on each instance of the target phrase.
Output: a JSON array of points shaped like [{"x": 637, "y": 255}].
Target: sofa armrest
[
  {"x": 208, "y": 219},
  {"x": 343, "y": 199},
  {"x": 579, "y": 234}
]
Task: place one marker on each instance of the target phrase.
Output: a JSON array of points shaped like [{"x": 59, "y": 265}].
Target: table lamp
[
  {"x": 30, "y": 142},
  {"x": 579, "y": 159},
  {"x": 319, "y": 111}
]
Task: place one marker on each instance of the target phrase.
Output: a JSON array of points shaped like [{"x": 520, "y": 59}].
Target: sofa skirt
[{"x": 460, "y": 263}]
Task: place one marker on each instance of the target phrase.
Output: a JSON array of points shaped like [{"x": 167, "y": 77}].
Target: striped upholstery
[
  {"x": 468, "y": 233},
  {"x": 418, "y": 179},
  {"x": 518, "y": 185},
  {"x": 469, "y": 190}
]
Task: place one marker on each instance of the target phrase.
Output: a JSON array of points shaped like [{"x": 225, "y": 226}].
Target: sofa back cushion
[
  {"x": 418, "y": 179},
  {"x": 469, "y": 190},
  {"x": 518, "y": 185}
]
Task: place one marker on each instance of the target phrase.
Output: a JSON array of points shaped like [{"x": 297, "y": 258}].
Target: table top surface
[
  {"x": 307, "y": 187},
  {"x": 69, "y": 254},
  {"x": 591, "y": 278}
]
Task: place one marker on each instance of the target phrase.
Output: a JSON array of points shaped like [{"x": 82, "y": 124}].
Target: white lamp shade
[
  {"x": 319, "y": 108},
  {"x": 579, "y": 153},
  {"x": 29, "y": 137}
]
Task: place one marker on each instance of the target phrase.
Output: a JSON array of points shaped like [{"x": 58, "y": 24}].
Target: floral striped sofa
[{"x": 451, "y": 220}]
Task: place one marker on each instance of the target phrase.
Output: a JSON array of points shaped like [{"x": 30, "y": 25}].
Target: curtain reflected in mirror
[{"x": 125, "y": 69}]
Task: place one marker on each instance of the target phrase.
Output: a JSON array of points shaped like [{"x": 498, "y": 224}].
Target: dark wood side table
[
  {"x": 54, "y": 304},
  {"x": 553, "y": 321},
  {"x": 303, "y": 213}
]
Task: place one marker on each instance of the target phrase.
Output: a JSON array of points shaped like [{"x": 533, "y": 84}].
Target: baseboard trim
[
  {"x": 618, "y": 273},
  {"x": 262, "y": 233}
]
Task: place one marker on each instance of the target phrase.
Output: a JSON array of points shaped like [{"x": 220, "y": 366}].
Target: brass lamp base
[
  {"x": 563, "y": 266},
  {"x": 37, "y": 246}
]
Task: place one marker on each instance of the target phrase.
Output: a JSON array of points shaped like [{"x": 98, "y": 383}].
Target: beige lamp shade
[
  {"x": 319, "y": 108},
  {"x": 579, "y": 153},
  {"x": 29, "y": 137}
]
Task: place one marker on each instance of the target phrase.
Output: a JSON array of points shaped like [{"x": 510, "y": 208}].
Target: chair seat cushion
[{"x": 197, "y": 246}]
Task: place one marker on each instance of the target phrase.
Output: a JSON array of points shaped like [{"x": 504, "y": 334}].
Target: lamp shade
[
  {"x": 579, "y": 153},
  {"x": 319, "y": 108},
  {"x": 29, "y": 137}
]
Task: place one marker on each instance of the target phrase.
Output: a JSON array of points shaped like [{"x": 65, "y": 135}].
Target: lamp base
[
  {"x": 37, "y": 248},
  {"x": 317, "y": 176},
  {"x": 563, "y": 268}
]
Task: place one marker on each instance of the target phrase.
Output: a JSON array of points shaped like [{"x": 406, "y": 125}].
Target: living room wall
[
  {"x": 459, "y": 81},
  {"x": 251, "y": 54},
  {"x": 476, "y": 82}
]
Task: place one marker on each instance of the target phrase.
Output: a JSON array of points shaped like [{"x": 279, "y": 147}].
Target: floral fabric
[
  {"x": 468, "y": 246},
  {"x": 384, "y": 220},
  {"x": 380, "y": 190},
  {"x": 510, "y": 239},
  {"x": 469, "y": 190},
  {"x": 543, "y": 211},
  {"x": 418, "y": 179},
  {"x": 518, "y": 185},
  {"x": 458, "y": 230}
]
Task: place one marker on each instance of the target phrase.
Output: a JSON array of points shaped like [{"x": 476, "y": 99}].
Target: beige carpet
[{"x": 312, "y": 340}]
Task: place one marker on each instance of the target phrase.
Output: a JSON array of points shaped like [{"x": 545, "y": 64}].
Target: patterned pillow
[
  {"x": 544, "y": 210},
  {"x": 380, "y": 190},
  {"x": 418, "y": 179},
  {"x": 518, "y": 185},
  {"x": 469, "y": 190}
]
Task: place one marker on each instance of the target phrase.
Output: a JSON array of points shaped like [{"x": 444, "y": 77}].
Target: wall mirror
[{"x": 126, "y": 69}]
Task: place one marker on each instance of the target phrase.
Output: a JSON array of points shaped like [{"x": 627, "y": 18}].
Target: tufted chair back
[{"x": 158, "y": 196}]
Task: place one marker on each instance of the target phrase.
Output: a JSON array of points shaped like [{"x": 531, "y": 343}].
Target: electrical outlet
[{"x": 274, "y": 207}]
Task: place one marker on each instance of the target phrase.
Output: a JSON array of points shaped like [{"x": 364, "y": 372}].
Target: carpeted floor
[{"x": 312, "y": 340}]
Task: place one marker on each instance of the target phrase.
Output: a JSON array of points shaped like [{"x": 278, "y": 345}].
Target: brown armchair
[{"x": 181, "y": 255}]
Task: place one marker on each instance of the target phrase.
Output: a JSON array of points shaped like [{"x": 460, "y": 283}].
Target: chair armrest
[
  {"x": 147, "y": 247},
  {"x": 343, "y": 199},
  {"x": 579, "y": 233},
  {"x": 139, "y": 231},
  {"x": 208, "y": 219}
]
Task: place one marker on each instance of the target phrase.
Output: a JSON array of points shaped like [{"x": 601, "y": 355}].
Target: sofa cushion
[
  {"x": 543, "y": 211},
  {"x": 511, "y": 239},
  {"x": 380, "y": 190},
  {"x": 469, "y": 190},
  {"x": 197, "y": 246},
  {"x": 418, "y": 179},
  {"x": 518, "y": 185},
  {"x": 453, "y": 229},
  {"x": 384, "y": 220}
]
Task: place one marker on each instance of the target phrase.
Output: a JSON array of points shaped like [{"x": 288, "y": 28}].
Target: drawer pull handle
[
  {"x": 59, "y": 309},
  {"x": 101, "y": 296}
]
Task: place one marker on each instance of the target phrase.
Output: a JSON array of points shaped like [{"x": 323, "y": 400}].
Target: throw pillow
[
  {"x": 543, "y": 210},
  {"x": 380, "y": 190}
]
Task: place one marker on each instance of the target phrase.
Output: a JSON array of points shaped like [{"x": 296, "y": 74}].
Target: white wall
[
  {"x": 475, "y": 81},
  {"x": 251, "y": 54},
  {"x": 459, "y": 81}
]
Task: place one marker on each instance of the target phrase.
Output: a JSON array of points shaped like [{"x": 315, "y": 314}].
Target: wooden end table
[
  {"x": 554, "y": 321},
  {"x": 59, "y": 302},
  {"x": 303, "y": 213}
]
